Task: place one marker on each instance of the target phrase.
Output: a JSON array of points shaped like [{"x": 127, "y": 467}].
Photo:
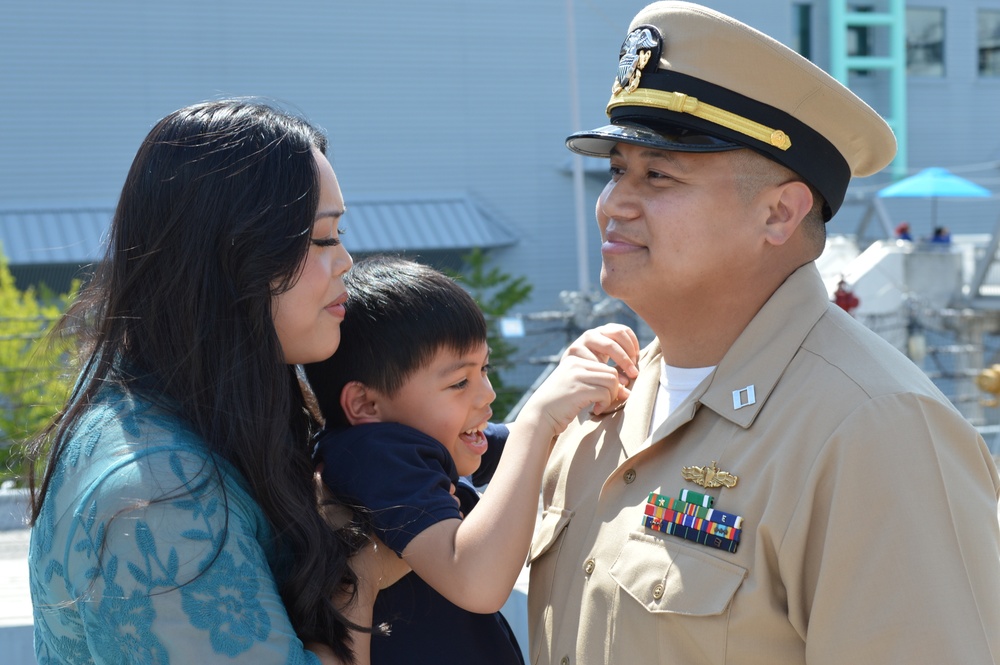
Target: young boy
[{"x": 407, "y": 405}]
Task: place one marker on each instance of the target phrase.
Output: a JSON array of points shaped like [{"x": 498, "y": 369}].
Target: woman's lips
[{"x": 337, "y": 307}]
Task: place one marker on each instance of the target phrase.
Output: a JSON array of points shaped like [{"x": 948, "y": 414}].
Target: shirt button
[
  {"x": 564, "y": 661},
  {"x": 630, "y": 476},
  {"x": 658, "y": 591},
  {"x": 589, "y": 566}
]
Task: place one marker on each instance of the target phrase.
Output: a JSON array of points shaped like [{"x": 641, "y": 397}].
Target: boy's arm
[{"x": 475, "y": 562}]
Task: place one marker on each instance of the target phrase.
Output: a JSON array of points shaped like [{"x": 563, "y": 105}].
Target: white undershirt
[{"x": 676, "y": 383}]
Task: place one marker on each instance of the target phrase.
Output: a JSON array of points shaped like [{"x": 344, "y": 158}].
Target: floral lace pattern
[{"x": 143, "y": 553}]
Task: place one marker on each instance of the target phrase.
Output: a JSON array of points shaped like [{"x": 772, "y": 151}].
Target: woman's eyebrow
[{"x": 336, "y": 214}]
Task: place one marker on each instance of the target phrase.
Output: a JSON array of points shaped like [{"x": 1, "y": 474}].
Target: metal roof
[
  {"x": 428, "y": 222},
  {"x": 53, "y": 236}
]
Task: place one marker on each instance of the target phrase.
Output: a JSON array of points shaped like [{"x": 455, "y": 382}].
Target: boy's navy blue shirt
[{"x": 403, "y": 477}]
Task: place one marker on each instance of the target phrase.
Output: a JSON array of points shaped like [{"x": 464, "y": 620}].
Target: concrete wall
[{"x": 13, "y": 509}]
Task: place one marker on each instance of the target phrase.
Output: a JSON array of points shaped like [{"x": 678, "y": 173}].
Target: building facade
[{"x": 431, "y": 107}]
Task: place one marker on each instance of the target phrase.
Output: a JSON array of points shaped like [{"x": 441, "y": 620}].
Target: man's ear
[
  {"x": 358, "y": 403},
  {"x": 791, "y": 202}
]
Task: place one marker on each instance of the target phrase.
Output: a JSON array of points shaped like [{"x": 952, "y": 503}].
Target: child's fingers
[
  {"x": 617, "y": 389},
  {"x": 626, "y": 353},
  {"x": 616, "y": 397},
  {"x": 606, "y": 386},
  {"x": 578, "y": 383},
  {"x": 613, "y": 342}
]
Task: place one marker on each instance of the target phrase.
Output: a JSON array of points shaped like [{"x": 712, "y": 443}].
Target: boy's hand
[
  {"x": 613, "y": 342},
  {"x": 573, "y": 385}
]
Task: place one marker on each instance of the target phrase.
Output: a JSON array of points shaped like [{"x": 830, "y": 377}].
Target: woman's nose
[{"x": 343, "y": 263}]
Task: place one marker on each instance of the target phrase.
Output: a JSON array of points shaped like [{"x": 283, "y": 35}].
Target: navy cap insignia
[
  {"x": 709, "y": 476},
  {"x": 642, "y": 45}
]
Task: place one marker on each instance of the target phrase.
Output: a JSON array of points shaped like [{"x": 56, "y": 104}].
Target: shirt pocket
[
  {"x": 670, "y": 578},
  {"x": 554, "y": 521},
  {"x": 543, "y": 558}
]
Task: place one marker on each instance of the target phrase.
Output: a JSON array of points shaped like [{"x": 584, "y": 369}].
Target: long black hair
[{"x": 214, "y": 221}]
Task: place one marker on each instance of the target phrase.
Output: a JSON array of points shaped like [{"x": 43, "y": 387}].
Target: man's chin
[{"x": 613, "y": 282}]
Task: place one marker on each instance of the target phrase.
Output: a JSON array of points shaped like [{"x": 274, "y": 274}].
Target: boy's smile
[{"x": 448, "y": 399}]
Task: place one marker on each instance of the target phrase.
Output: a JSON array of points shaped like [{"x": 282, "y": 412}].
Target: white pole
[{"x": 582, "y": 248}]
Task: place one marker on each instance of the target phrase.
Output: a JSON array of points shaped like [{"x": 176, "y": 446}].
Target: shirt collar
[
  {"x": 754, "y": 363},
  {"x": 748, "y": 372}
]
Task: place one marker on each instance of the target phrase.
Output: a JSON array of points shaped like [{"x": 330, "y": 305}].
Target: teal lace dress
[{"x": 147, "y": 552}]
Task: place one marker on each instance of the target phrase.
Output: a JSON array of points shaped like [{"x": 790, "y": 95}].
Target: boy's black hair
[{"x": 399, "y": 315}]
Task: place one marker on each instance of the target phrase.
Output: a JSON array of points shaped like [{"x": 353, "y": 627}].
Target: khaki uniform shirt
[{"x": 870, "y": 529}]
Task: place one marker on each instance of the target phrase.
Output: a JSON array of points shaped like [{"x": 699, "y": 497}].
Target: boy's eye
[
  {"x": 487, "y": 368},
  {"x": 461, "y": 384}
]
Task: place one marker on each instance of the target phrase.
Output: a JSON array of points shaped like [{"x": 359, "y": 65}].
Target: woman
[{"x": 177, "y": 518}]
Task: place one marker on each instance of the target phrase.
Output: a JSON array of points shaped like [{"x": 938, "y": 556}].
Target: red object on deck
[{"x": 845, "y": 298}]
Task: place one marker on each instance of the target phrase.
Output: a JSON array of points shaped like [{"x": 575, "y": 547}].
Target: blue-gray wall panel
[{"x": 441, "y": 95}]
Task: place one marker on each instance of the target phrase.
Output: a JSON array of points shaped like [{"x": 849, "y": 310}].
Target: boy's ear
[{"x": 358, "y": 403}]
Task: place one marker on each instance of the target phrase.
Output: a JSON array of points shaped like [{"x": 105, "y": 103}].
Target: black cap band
[{"x": 810, "y": 155}]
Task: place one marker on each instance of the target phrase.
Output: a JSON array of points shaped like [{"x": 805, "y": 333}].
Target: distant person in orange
[{"x": 903, "y": 231}]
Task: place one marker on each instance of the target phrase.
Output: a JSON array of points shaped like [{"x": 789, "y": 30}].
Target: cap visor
[{"x": 599, "y": 142}]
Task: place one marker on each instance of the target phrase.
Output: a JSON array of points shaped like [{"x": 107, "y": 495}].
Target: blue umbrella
[{"x": 934, "y": 183}]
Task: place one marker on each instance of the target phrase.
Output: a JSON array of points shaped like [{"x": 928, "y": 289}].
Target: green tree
[
  {"x": 33, "y": 367},
  {"x": 497, "y": 293}
]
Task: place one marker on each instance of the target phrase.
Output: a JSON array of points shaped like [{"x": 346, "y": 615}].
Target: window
[
  {"x": 989, "y": 42},
  {"x": 859, "y": 37},
  {"x": 802, "y": 30},
  {"x": 925, "y": 42}
]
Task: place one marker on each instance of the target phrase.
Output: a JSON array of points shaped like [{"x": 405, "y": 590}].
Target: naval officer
[{"x": 782, "y": 486}]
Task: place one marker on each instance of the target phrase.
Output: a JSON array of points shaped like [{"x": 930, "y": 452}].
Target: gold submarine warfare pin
[{"x": 709, "y": 476}]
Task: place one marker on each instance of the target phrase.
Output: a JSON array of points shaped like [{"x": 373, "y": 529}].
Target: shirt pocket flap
[
  {"x": 671, "y": 578},
  {"x": 554, "y": 520}
]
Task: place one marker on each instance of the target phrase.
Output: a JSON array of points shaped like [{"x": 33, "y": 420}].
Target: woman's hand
[{"x": 377, "y": 567}]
